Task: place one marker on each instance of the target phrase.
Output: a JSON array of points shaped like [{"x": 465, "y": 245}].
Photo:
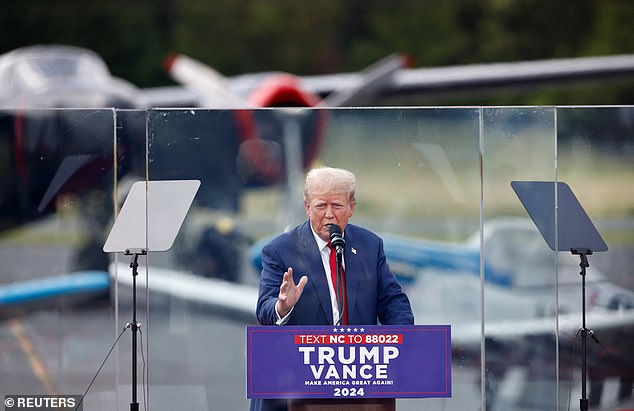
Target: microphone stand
[{"x": 339, "y": 285}]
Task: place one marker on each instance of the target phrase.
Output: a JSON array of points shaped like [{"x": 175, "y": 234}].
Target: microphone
[
  {"x": 337, "y": 241},
  {"x": 336, "y": 238}
]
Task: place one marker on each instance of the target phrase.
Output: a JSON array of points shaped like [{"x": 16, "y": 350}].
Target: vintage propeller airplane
[{"x": 55, "y": 76}]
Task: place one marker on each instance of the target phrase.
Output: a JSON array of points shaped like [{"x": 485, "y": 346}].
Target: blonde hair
[{"x": 330, "y": 180}]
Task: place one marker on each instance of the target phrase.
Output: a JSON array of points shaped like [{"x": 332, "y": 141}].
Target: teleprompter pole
[
  {"x": 134, "y": 326},
  {"x": 583, "y": 254}
]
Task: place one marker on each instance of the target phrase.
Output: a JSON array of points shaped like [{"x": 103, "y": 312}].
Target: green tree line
[{"x": 314, "y": 37}]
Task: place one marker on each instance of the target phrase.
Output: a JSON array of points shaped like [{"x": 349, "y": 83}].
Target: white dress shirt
[{"x": 324, "y": 251}]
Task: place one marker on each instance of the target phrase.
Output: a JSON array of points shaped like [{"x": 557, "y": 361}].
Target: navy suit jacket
[{"x": 373, "y": 294}]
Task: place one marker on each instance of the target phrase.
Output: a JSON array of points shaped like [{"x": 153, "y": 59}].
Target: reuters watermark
[{"x": 43, "y": 402}]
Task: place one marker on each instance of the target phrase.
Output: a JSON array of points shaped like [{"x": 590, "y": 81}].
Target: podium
[
  {"x": 368, "y": 404},
  {"x": 345, "y": 368}
]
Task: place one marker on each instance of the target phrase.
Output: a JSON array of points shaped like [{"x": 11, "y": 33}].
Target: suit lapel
[
  {"x": 354, "y": 274},
  {"x": 350, "y": 278}
]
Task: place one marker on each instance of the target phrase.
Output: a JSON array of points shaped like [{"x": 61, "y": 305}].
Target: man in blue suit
[{"x": 296, "y": 287}]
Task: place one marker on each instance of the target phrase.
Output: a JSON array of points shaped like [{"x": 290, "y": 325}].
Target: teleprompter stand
[
  {"x": 565, "y": 226},
  {"x": 149, "y": 220}
]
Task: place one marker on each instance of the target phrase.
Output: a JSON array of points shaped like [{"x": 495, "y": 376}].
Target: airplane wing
[
  {"x": 74, "y": 287},
  {"x": 437, "y": 80},
  {"x": 42, "y": 73},
  {"x": 391, "y": 77},
  {"x": 236, "y": 301}
]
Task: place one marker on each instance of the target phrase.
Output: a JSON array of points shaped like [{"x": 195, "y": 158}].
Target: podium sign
[{"x": 349, "y": 362}]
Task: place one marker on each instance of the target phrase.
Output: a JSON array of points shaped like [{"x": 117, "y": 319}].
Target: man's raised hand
[{"x": 289, "y": 292}]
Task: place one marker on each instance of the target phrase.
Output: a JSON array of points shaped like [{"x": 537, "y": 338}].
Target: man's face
[{"x": 326, "y": 209}]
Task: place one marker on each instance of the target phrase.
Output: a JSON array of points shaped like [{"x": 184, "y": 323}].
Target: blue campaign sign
[{"x": 349, "y": 361}]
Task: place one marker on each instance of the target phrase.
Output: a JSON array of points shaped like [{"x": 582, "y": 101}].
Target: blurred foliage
[{"x": 312, "y": 37}]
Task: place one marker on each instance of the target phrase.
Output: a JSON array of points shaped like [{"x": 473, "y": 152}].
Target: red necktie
[{"x": 333, "y": 275}]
